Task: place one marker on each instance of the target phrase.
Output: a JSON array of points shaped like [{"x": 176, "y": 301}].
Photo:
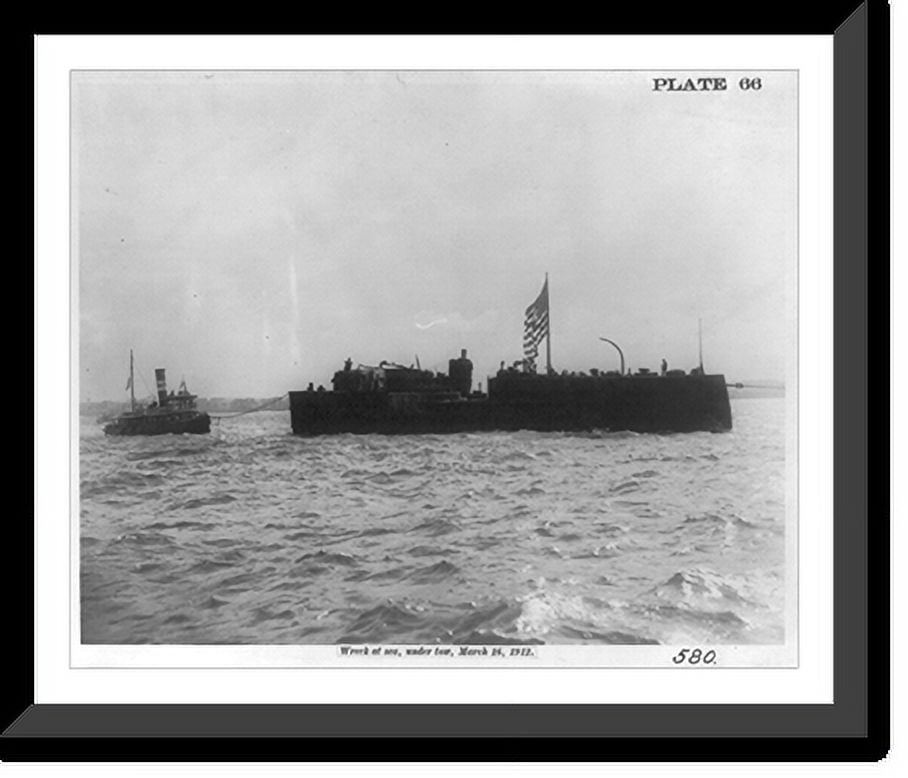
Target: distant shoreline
[
  {"x": 751, "y": 390},
  {"x": 207, "y": 404}
]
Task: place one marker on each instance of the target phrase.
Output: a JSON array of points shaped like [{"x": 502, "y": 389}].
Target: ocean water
[{"x": 253, "y": 535}]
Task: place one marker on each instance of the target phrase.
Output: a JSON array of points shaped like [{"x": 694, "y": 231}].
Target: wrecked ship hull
[{"x": 546, "y": 403}]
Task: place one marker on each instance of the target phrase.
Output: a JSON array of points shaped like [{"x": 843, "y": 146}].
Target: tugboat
[{"x": 170, "y": 414}]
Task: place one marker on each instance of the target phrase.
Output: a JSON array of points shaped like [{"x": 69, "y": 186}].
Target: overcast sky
[{"x": 250, "y": 231}]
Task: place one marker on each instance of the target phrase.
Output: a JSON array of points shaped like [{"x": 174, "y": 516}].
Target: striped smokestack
[{"x": 162, "y": 386}]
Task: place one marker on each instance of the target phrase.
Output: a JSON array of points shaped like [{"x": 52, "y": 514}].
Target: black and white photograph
[{"x": 437, "y": 366}]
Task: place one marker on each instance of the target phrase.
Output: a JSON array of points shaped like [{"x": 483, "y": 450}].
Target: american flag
[{"x": 536, "y": 326}]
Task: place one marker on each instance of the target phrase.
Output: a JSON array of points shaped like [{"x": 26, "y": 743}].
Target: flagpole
[
  {"x": 132, "y": 385},
  {"x": 548, "y": 330}
]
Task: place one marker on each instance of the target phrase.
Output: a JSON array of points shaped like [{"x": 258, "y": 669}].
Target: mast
[
  {"x": 548, "y": 329},
  {"x": 132, "y": 385},
  {"x": 700, "y": 340}
]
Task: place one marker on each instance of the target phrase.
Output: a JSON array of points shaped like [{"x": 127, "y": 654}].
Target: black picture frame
[{"x": 854, "y": 727}]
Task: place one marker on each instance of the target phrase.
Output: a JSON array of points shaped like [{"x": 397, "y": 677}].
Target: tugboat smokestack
[{"x": 162, "y": 386}]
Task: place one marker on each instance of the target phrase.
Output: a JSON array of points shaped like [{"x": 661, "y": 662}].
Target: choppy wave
[{"x": 252, "y": 535}]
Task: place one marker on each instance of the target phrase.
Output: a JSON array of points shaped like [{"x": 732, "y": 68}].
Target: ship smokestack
[
  {"x": 162, "y": 386},
  {"x": 460, "y": 371}
]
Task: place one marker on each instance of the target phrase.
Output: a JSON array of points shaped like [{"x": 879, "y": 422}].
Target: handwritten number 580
[{"x": 694, "y": 656}]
